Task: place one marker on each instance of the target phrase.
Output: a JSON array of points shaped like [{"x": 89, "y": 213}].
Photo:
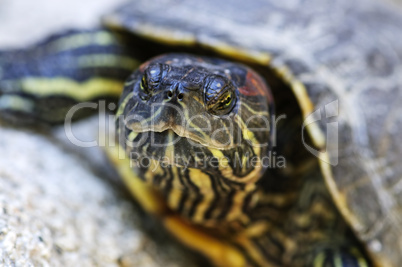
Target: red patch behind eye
[
  {"x": 144, "y": 65},
  {"x": 255, "y": 86}
]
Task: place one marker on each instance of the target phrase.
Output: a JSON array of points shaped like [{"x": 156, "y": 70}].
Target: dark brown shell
[{"x": 341, "y": 57}]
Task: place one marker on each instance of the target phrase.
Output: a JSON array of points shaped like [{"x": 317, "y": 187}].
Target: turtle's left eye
[{"x": 219, "y": 95}]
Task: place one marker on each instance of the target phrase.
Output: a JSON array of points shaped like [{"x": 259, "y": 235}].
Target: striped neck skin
[
  {"x": 203, "y": 197},
  {"x": 207, "y": 188}
]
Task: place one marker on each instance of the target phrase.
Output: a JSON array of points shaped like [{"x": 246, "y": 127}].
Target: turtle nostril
[
  {"x": 180, "y": 96},
  {"x": 170, "y": 94}
]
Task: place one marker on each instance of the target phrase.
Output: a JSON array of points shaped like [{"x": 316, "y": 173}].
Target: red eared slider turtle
[{"x": 315, "y": 183}]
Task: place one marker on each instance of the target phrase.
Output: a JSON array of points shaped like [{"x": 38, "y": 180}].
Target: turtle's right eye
[{"x": 152, "y": 77}]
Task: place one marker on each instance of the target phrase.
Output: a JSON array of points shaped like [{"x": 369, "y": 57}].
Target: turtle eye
[
  {"x": 219, "y": 95},
  {"x": 152, "y": 77}
]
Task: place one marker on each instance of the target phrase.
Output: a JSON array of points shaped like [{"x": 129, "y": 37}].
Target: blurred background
[{"x": 24, "y": 21}]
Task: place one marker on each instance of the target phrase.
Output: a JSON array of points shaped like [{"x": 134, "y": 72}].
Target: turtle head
[{"x": 200, "y": 118}]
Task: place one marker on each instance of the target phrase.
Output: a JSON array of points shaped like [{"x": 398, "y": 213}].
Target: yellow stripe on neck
[
  {"x": 16, "y": 103},
  {"x": 101, "y": 38},
  {"x": 79, "y": 91}
]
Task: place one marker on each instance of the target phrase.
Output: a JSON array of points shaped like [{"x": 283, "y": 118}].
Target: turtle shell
[{"x": 342, "y": 59}]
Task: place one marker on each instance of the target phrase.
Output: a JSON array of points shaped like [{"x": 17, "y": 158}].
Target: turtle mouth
[
  {"x": 172, "y": 136},
  {"x": 193, "y": 135}
]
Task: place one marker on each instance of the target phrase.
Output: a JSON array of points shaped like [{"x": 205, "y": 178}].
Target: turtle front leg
[{"x": 340, "y": 257}]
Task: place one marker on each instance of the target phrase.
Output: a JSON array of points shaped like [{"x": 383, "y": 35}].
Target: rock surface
[{"x": 54, "y": 212}]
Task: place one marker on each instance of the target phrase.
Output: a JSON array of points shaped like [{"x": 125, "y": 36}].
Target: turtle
[{"x": 266, "y": 134}]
